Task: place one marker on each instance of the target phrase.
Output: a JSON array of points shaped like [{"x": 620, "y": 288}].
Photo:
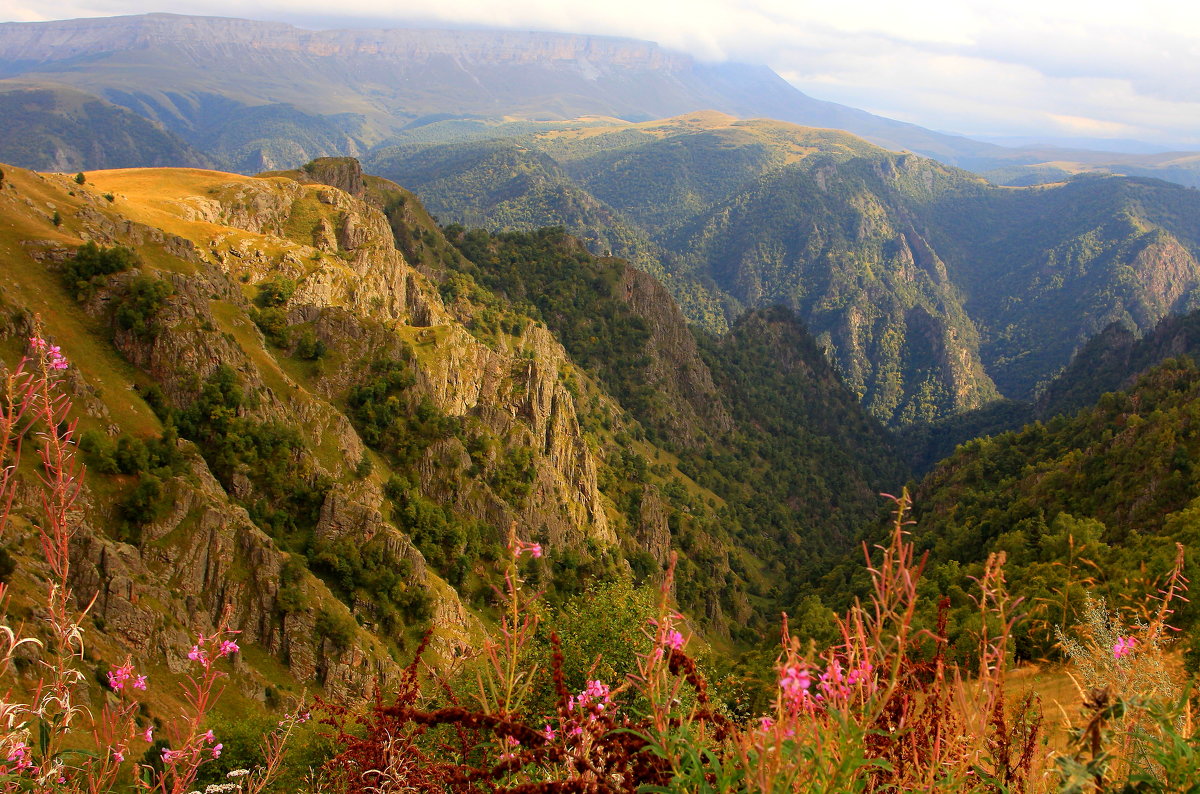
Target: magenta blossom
[
  {"x": 53, "y": 353},
  {"x": 1124, "y": 646},
  {"x": 534, "y": 549}
]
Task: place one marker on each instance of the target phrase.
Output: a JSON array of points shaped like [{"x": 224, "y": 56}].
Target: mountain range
[
  {"x": 259, "y": 95},
  {"x": 933, "y": 291}
]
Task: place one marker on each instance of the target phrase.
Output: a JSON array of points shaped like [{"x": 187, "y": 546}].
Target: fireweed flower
[
  {"x": 228, "y": 647},
  {"x": 674, "y": 640},
  {"x": 1124, "y": 646},
  {"x": 124, "y": 674},
  {"x": 149, "y": 734},
  {"x": 53, "y": 353},
  {"x": 19, "y": 755},
  {"x": 794, "y": 683},
  {"x": 216, "y": 751},
  {"x": 534, "y": 549}
]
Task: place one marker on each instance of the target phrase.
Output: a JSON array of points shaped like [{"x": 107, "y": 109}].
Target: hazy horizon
[{"x": 1065, "y": 73}]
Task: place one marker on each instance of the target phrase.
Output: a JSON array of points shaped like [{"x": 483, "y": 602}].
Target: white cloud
[{"x": 1023, "y": 67}]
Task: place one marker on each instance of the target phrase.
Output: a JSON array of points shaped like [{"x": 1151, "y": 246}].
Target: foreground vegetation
[{"x": 882, "y": 708}]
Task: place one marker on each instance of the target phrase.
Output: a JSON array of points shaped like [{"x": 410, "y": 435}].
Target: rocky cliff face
[
  {"x": 696, "y": 407},
  {"x": 213, "y": 238}
]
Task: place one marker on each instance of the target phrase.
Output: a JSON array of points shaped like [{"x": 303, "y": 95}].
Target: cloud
[{"x": 1024, "y": 67}]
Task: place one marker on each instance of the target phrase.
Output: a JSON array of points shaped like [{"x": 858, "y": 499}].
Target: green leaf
[{"x": 43, "y": 738}]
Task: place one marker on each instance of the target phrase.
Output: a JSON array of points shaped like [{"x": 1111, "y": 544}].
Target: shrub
[
  {"x": 337, "y": 627},
  {"x": 144, "y": 505},
  {"x": 84, "y": 273},
  {"x": 138, "y": 308},
  {"x": 308, "y": 346},
  {"x": 275, "y": 292},
  {"x": 291, "y": 596},
  {"x": 274, "y": 325}
]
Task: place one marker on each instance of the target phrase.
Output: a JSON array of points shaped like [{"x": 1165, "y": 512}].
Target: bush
[
  {"x": 144, "y": 505},
  {"x": 308, "y": 346},
  {"x": 84, "y": 273},
  {"x": 98, "y": 452},
  {"x": 337, "y": 627},
  {"x": 291, "y": 596},
  {"x": 274, "y": 325},
  {"x": 137, "y": 310},
  {"x": 275, "y": 292}
]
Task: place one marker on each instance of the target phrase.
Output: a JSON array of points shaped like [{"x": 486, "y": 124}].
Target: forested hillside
[
  {"x": 54, "y": 128},
  {"x": 1089, "y": 502},
  {"x": 933, "y": 292}
]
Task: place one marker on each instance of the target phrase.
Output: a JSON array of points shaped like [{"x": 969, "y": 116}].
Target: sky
[{"x": 1041, "y": 69}]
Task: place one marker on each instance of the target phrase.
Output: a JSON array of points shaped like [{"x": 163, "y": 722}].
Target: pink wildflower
[
  {"x": 216, "y": 751},
  {"x": 140, "y": 682},
  {"x": 54, "y": 356},
  {"x": 549, "y": 733},
  {"x": 534, "y": 549},
  {"x": 149, "y": 734},
  {"x": 118, "y": 756},
  {"x": 118, "y": 677},
  {"x": 1124, "y": 646},
  {"x": 228, "y": 647},
  {"x": 169, "y": 755},
  {"x": 20, "y": 755},
  {"x": 674, "y": 640}
]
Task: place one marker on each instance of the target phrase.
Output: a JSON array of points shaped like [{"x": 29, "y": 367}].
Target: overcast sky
[{"x": 1040, "y": 68}]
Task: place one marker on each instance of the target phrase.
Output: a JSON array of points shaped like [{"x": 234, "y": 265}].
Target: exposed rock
[
  {"x": 676, "y": 368},
  {"x": 343, "y": 173}
]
